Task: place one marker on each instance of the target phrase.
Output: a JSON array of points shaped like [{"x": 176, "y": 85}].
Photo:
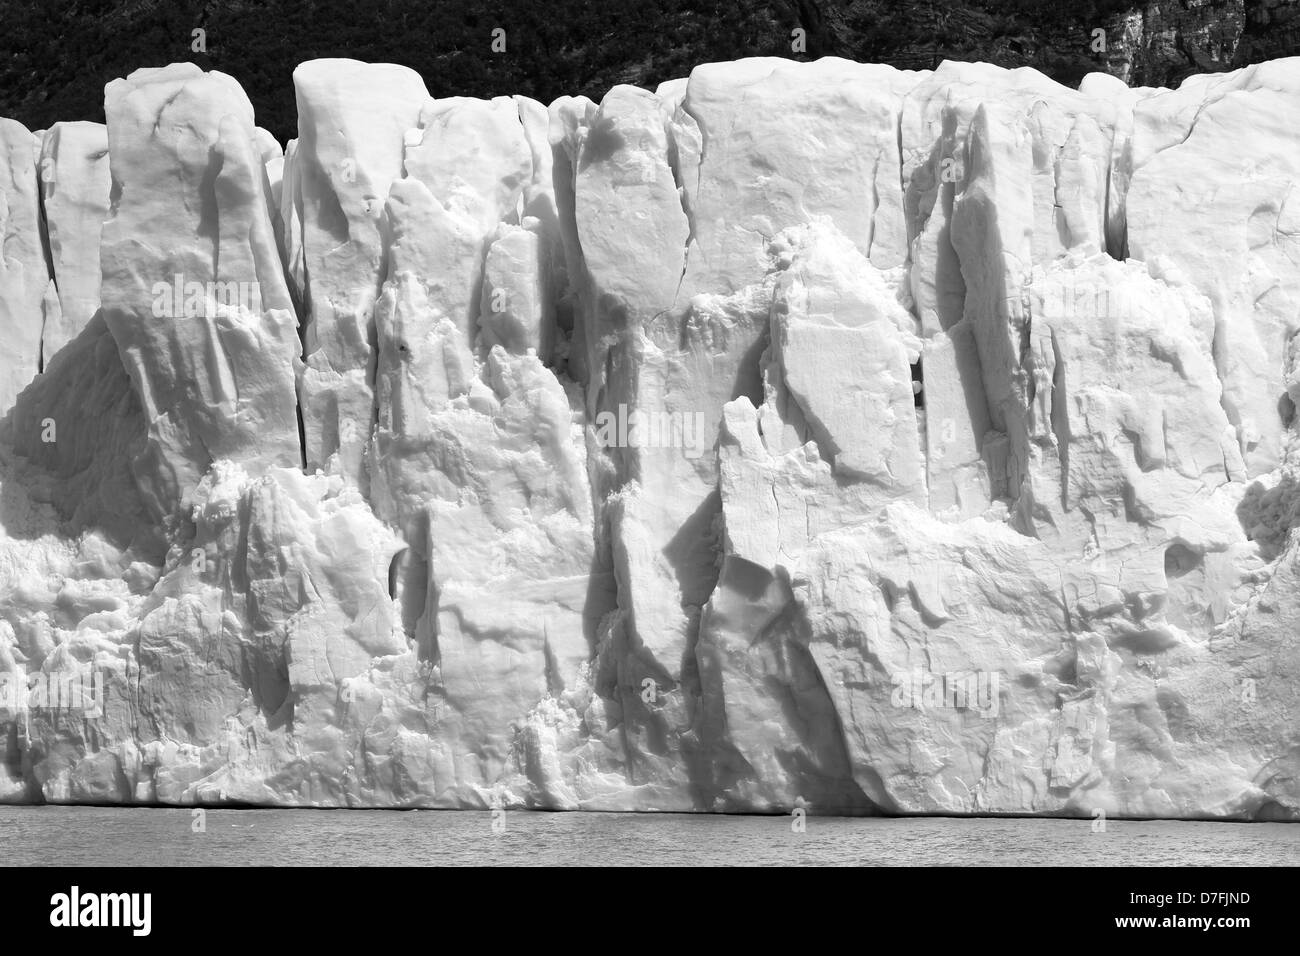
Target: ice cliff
[{"x": 812, "y": 434}]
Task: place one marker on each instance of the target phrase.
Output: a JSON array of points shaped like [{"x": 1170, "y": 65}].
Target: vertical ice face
[
  {"x": 75, "y": 183},
  {"x": 831, "y": 445},
  {"x": 26, "y": 294},
  {"x": 991, "y": 230},
  {"x": 796, "y": 434},
  {"x": 280, "y": 612},
  {"x": 567, "y": 121},
  {"x": 746, "y": 181},
  {"x": 540, "y": 242},
  {"x": 1099, "y": 327},
  {"x": 466, "y": 166},
  {"x": 288, "y": 225},
  {"x": 1118, "y": 108},
  {"x": 1031, "y": 188},
  {"x": 860, "y": 413},
  {"x": 1065, "y": 178},
  {"x": 200, "y": 312},
  {"x": 659, "y": 370},
  {"x": 473, "y": 158},
  {"x": 478, "y": 458},
  {"x": 352, "y": 118},
  {"x": 623, "y": 169},
  {"x": 1225, "y": 218},
  {"x": 677, "y": 317}
]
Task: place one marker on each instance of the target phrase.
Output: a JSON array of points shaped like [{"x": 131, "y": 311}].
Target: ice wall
[{"x": 812, "y": 434}]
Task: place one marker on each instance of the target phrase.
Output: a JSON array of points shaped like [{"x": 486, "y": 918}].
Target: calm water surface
[{"x": 75, "y": 836}]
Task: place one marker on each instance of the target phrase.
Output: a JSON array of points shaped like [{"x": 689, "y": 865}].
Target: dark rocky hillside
[{"x": 56, "y": 55}]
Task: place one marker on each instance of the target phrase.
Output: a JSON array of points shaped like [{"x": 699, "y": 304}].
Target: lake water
[{"x": 74, "y": 836}]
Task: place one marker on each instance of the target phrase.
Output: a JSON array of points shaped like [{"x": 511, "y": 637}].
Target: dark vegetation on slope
[{"x": 56, "y": 55}]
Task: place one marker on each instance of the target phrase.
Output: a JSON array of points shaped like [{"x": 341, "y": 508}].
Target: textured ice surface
[{"x": 810, "y": 434}]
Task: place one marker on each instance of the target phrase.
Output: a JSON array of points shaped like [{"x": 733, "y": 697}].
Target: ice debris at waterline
[{"x": 797, "y": 434}]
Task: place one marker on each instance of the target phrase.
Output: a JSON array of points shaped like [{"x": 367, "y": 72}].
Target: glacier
[{"x": 795, "y": 434}]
